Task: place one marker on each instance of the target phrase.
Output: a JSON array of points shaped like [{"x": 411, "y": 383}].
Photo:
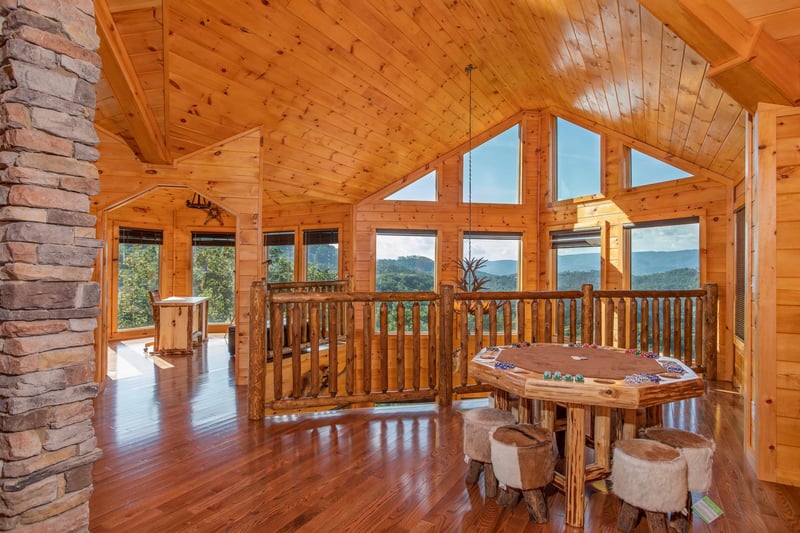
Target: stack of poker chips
[{"x": 642, "y": 378}]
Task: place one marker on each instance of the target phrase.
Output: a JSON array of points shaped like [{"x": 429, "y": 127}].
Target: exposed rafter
[
  {"x": 119, "y": 71},
  {"x": 747, "y": 63}
]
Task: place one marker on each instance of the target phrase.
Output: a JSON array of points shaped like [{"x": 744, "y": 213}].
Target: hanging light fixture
[{"x": 469, "y": 278}]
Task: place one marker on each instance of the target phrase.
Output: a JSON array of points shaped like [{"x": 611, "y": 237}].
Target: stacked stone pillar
[{"x": 48, "y": 303}]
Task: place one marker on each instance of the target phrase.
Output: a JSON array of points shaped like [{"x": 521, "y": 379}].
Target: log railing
[
  {"x": 410, "y": 346},
  {"x": 387, "y": 353},
  {"x": 676, "y": 323}
]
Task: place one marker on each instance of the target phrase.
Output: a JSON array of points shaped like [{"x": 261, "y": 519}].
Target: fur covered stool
[
  {"x": 478, "y": 423},
  {"x": 523, "y": 459},
  {"x": 699, "y": 454},
  {"x": 697, "y": 449},
  {"x": 648, "y": 476}
]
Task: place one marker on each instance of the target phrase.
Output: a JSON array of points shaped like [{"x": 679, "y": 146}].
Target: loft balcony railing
[{"x": 337, "y": 348}]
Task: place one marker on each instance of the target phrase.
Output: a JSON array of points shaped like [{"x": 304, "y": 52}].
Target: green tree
[
  {"x": 137, "y": 275},
  {"x": 281, "y": 266},
  {"x": 213, "y": 276}
]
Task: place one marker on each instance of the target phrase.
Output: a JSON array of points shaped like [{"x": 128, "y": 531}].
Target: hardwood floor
[{"x": 180, "y": 455}]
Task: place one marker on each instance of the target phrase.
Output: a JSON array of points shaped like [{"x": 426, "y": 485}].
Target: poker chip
[
  {"x": 672, "y": 367},
  {"x": 640, "y": 379},
  {"x": 503, "y": 365}
]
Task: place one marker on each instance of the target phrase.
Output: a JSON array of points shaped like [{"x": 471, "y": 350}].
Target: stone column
[{"x": 48, "y": 303}]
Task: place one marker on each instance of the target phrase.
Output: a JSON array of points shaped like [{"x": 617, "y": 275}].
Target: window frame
[
  {"x": 660, "y": 222},
  {"x": 305, "y": 245},
  {"x": 166, "y": 234},
  {"x": 465, "y": 163},
  {"x": 565, "y": 237},
  {"x": 228, "y": 241},
  {"x": 553, "y": 163},
  {"x": 496, "y": 236},
  {"x": 740, "y": 274},
  {"x": 627, "y": 171},
  {"x": 412, "y": 179},
  {"x": 266, "y": 246},
  {"x": 409, "y": 233}
]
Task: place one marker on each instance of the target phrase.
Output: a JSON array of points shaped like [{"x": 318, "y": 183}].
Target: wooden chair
[{"x": 155, "y": 296}]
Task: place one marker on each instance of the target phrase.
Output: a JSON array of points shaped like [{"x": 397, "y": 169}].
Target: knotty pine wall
[
  {"x": 229, "y": 174},
  {"x": 771, "y": 350}
]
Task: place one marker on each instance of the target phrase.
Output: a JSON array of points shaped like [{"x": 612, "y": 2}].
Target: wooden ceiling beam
[
  {"x": 121, "y": 76},
  {"x": 745, "y": 62}
]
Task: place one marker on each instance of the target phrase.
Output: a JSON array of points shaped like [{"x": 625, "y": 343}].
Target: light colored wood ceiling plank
[
  {"x": 746, "y": 61},
  {"x": 125, "y": 84}
]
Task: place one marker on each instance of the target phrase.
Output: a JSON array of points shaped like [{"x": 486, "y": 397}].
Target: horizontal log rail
[{"x": 349, "y": 348}]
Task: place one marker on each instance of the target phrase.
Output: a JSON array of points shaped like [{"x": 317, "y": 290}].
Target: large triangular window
[
  {"x": 421, "y": 190},
  {"x": 645, "y": 170}
]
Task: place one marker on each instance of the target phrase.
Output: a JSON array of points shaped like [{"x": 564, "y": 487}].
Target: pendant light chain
[{"x": 469, "y": 68}]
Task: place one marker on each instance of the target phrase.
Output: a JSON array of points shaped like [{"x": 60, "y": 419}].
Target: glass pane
[
  {"x": 405, "y": 262},
  {"x": 577, "y": 161},
  {"x": 501, "y": 252},
  {"x": 665, "y": 257},
  {"x": 213, "y": 276},
  {"x": 279, "y": 251},
  {"x": 137, "y": 275},
  {"x": 646, "y": 170},
  {"x": 322, "y": 260},
  {"x": 577, "y": 266},
  {"x": 494, "y": 178},
  {"x": 421, "y": 190}
]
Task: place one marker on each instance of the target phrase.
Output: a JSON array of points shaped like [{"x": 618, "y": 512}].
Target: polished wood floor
[{"x": 180, "y": 455}]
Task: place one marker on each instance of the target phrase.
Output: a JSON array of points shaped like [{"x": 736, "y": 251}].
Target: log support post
[{"x": 258, "y": 352}]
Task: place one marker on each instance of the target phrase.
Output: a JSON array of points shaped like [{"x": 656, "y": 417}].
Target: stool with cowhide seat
[
  {"x": 698, "y": 452},
  {"x": 478, "y": 424},
  {"x": 523, "y": 459},
  {"x": 648, "y": 476}
]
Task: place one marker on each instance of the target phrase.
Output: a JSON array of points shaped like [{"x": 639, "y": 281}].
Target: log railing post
[
  {"x": 445, "y": 366},
  {"x": 258, "y": 353},
  {"x": 710, "y": 330},
  {"x": 587, "y": 314}
]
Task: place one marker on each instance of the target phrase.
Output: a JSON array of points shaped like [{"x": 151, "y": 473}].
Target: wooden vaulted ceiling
[{"x": 352, "y": 95}]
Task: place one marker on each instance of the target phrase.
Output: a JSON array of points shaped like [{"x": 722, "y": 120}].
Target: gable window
[
  {"x": 664, "y": 254},
  {"x": 321, "y": 254},
  {"x": 137, "y": 273},
  {"x": 280, "y": 256},
  {"x": 577, "y": 257},
  {"x": 420, "y": 190},
  {"x": 501, "y": 252},
  {"x": 213, "y": 267},
  {"x": 577, "y": 161},
  {"x": 490, "y": 172},
  {"x": 645, "y": 170}
]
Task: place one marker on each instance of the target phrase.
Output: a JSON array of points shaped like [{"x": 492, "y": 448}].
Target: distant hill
[
  {"x": 502, "y": 267},
  {"x": 643, "y": 263}
]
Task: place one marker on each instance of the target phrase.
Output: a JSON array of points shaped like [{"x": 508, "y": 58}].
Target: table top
[
  {"x": 521, "y": 369},
  {"x": 181, "y": 300}
]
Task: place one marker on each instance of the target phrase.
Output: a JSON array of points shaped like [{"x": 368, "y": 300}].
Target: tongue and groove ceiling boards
[{"x": 352, "y": 95}]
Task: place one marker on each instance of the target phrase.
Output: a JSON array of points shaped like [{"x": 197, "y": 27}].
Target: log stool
[
  {"x": 648, "y": 476},
  {"x": 523, "y": 460},
  {"x": 478, "y": 423}
]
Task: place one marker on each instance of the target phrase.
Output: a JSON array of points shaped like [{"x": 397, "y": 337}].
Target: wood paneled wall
[
  {"x": 228, "y": 174},
  {"x": 775, "y": 223}
]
